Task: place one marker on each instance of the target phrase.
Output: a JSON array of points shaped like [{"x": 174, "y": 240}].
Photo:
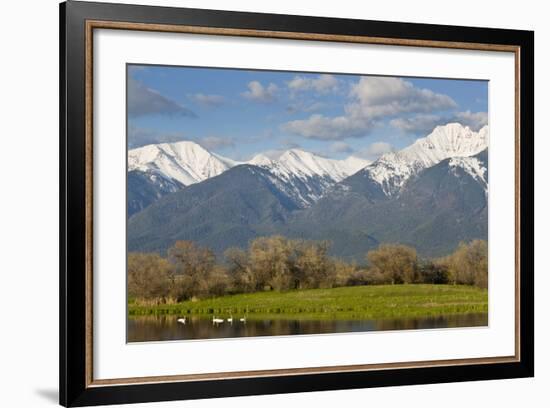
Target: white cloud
[
  {"x": 208, "y": 100},
  {"x": 260, "y": 93},
  {"x": 375, "y": 150},
  {"x": 384, "y": 96},
  {"x": 322, "y": 84},
  {"x": 419, "y": 124},
  {"x": 475, "y": 120},
  {"x": 328, "y": 128},
  {"x": 373, "y": 99},
  {"x": 424, "y": 124}
]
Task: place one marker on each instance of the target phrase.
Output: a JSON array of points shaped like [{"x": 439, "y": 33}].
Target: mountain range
[
  {"x": 157, "y": 170},
  {"x": 431, "y": 195}
]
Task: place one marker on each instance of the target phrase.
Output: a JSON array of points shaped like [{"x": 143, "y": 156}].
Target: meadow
[{"x": 357, "y": 302}]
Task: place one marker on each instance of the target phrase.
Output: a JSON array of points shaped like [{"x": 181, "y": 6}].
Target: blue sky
[{"x": 239, "y": 113}]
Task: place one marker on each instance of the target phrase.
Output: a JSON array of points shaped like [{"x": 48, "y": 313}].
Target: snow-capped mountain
[
  {"x": 453, "y": 140},
  {"x": 432, "y": 195},
  {"x": 353, "y": 164},
  {"x": 189, "y": 163},
  {"x": 185, "y": 162},
  {"x": 160, "y": 169},
  {"x": 297, "y": 162},
  {"x": 306, "y": 176},
  {"x": 168, "y": 167},
  {"x": 474, "y": 166},
  {"x": 144, "y": 188}
]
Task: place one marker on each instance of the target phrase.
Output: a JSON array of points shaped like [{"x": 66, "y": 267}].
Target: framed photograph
[{"x": 256, "y": 204}]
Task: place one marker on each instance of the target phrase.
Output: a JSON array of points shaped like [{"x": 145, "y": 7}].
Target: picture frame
[{"x": 78, "y": 22}]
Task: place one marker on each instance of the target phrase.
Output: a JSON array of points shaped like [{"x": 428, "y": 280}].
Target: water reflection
[{"x": 158, "y": 328}]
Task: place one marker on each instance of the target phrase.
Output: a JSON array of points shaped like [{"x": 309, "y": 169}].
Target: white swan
[
  {"x": 216, "y": 320},
  {"x": 182, "y": 320},
  {"x": 230, "y": 319},
  {"x": 242, "y": 319}
]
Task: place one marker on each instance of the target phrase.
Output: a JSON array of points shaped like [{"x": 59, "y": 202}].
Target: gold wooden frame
[{"x": 99, "y": 24}]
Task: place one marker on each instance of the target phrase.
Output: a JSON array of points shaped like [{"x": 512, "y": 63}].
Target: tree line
[{"x": 190, "y": 271}]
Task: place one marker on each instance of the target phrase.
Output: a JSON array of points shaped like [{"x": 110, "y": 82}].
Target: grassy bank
[{"x": 358, "y": 302}]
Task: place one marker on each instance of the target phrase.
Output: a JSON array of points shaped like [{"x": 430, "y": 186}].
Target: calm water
[{"x": 156, "y": 328}]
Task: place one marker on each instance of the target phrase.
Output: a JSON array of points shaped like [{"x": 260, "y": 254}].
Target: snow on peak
[
  {"x": 473, "y": 166},
  {"x": 186, "y": 162},
  {"x": 451, "y": 140},
  {"x": 353, "y": 164},
  {"x": 261, "y": 160},
  {"x": 302, "y": 164},
  {"x": 393, "y": 169},
  {"x": 306, "y": 176}
]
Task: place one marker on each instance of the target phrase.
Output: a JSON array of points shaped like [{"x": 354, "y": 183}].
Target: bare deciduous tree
[
  {"x": 468, "y": 265},
  {"x": 149, "y": 277},
  {"x": 395, "y": 262},
  {"x": 195, "y": 266}
]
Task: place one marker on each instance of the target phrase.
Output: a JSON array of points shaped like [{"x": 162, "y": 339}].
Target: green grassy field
[{"x": 358, "y": 302}]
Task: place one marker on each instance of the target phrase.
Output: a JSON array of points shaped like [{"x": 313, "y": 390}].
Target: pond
[{"x": 159, "y": 328}]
